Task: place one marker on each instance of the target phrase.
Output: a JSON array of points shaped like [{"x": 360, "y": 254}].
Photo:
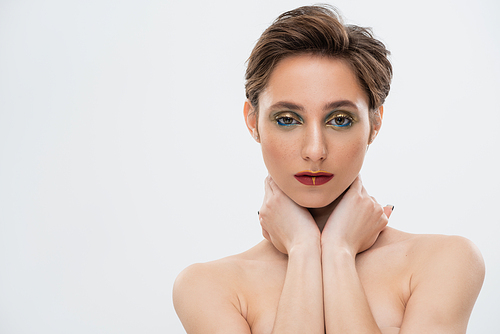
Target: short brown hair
[{"x": 320, "y": 30}]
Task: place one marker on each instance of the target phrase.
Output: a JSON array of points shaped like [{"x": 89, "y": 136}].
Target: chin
[{"x": 311, "y": 202}]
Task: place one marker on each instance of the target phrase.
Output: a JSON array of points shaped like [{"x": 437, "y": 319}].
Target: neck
[{"x": 321, "y": 215}]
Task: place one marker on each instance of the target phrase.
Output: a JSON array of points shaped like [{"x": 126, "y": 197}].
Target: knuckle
[{"x": 358, "y": 197}]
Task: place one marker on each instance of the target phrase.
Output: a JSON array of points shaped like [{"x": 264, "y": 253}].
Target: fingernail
[{"x": 258, "y": 212}]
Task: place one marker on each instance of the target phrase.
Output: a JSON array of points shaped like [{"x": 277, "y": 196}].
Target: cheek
[
  {"x": 275, "y": 152},
  {"x": 276, "y": 146},
  {"x": 357, "y": 149},
  {"x": 359, "y": 140},
  {"x": 349, "y": 156}
]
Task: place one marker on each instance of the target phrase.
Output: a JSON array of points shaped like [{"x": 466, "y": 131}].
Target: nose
[{"x": 314, "y": 147}]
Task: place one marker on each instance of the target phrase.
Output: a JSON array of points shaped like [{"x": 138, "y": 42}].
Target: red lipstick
[{"x": 310, "y": 178}]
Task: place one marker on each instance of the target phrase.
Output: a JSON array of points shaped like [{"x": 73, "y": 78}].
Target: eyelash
[
  {"x": 343, "y": 118},
  {"x": 282, "y": 121}
]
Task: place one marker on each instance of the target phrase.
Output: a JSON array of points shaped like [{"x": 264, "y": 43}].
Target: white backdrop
[{"x": 124, "y": 156}]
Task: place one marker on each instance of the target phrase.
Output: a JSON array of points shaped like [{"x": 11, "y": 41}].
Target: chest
[{"x": 385, "y": 280}]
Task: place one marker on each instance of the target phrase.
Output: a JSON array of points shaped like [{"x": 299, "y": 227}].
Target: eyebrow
[
  {"x": 328, "y": 106},
  {"x": 341, "y": 103},
  {"x": 287, "y": 105}
]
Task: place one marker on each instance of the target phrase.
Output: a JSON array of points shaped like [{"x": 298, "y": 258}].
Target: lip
[{"x": 310, "y": 178}]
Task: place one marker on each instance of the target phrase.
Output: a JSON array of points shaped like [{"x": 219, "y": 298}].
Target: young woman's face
[{"x": 313, "y": 116}]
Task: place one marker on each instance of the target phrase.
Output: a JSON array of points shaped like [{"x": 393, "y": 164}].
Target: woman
[{"x": 315, "y": 90}]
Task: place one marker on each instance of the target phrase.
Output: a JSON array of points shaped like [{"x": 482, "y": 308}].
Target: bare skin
[
  {"x": 412, "y": 284},
  {"x": 335, "y": 267}
]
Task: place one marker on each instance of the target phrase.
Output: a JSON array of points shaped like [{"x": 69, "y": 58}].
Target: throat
[{"x": 321, "y": 215}]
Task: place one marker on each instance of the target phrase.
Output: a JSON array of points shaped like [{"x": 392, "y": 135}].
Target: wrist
[
  {"x": 311, "y": 245},
  {"x": 334, "y": 249}
]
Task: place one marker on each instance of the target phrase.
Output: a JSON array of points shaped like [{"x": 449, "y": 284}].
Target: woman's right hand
[{"x": 284, "y": 223}]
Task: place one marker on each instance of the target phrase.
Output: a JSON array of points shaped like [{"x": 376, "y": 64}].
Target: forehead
[{"x": 313, "y": 80}]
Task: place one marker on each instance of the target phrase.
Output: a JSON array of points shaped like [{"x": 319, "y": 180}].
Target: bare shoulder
[
  {"x": 213, "y": 280},
  {"x": 446, "y": 275},
  {"x": 212, "y": 272},
  {"x": 449, "y": 256},
  {"x": 208, "y": 296},
  {"x": 445, "y": 251},
  {"x": 432, "y": 249},
  {"x": 198, "y": 276},
  {"x": 226, "y": 272}
]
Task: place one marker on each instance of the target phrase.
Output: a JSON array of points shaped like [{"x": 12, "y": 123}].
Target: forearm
[
  {"x": 346, "y": 307},
  {"x": 300, "y": 309}
]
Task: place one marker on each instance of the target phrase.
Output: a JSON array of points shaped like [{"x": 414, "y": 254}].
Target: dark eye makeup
[
  {"x": 335, "y": 119},
  {"x": 287, "y": 119},
  {"x": 340, "y": 120}
]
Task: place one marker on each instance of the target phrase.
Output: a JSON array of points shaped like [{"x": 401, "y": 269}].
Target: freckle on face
[{"x": 313, "y": 82}]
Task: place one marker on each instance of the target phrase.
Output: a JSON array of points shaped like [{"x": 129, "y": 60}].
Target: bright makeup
[{"x": 310, "y": 178}]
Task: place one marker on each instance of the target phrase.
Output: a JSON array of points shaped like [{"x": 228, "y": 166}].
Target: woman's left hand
[{"x": 356, "y": 222}]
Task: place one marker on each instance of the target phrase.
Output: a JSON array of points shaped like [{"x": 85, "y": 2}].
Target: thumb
[{"x": 388, "y": 210}]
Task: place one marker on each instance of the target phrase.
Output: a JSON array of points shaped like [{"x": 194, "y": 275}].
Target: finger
[
  {"x": 267, "y": 185},
  {"x": 357, "y": 185},
  {"x": 275, "y": 188},
  {"x": 388, "y": 210},
  {"x": 266, "y": 235}
]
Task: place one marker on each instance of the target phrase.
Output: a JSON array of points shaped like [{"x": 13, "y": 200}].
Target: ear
[
  {"x": 251, "y": 120},
  {"x": 377, "y": 123}
]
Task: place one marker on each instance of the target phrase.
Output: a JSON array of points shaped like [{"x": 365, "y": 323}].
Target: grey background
[{"x": 124, "y": 156}]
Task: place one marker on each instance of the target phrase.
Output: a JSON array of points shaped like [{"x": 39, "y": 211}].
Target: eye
[
  {"x": 340, "y": 121},
  {"x": 286, "y": 121}
]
